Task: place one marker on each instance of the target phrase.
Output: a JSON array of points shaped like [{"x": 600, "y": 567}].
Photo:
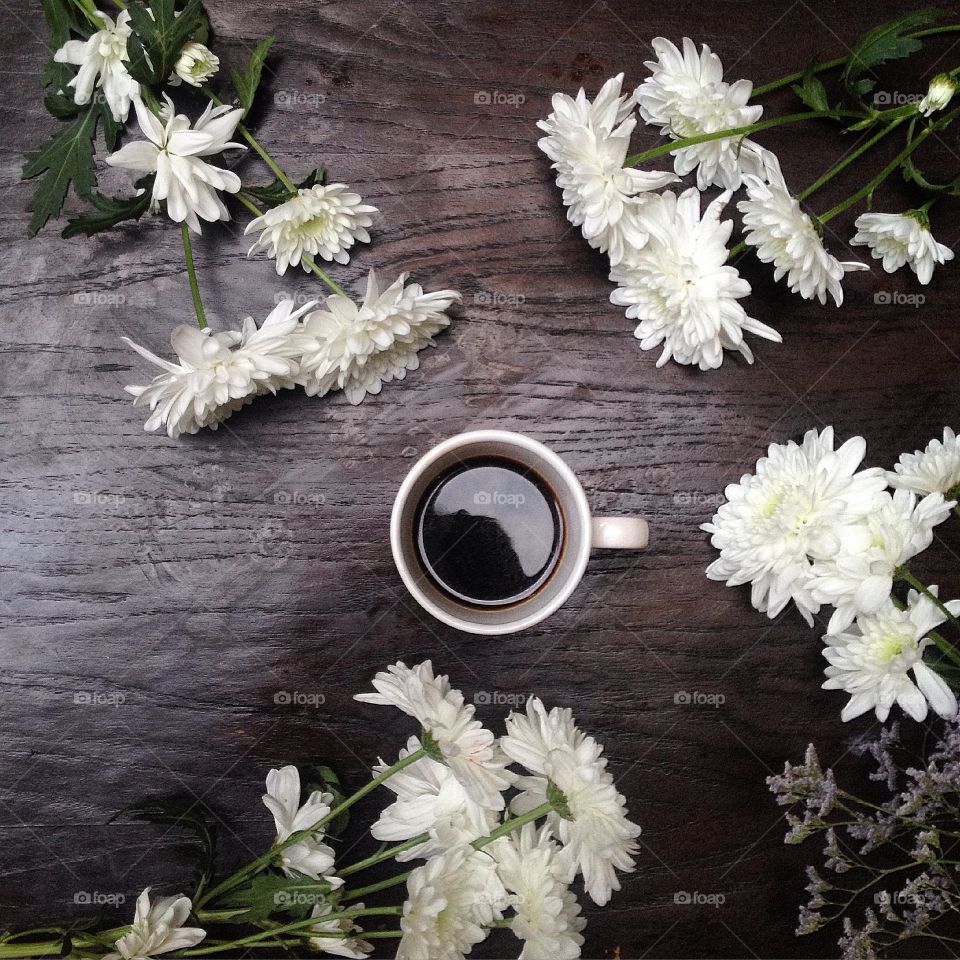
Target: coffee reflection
[{"x": 489, "y": 531}]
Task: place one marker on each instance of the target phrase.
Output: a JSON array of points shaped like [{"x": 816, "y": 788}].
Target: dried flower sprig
[{"x": 891, "y": 870}]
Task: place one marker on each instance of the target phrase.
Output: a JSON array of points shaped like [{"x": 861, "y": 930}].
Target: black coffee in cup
[{"x": 489, "y": 531}]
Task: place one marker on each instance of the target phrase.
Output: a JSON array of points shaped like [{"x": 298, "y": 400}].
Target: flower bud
[
  {"x": 195, "y": 65},
  {"x": 941, "y": 91}
]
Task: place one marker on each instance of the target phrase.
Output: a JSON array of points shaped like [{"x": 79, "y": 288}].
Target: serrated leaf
[
  {"x": 812, "y": 92},
  {"x": 109, "y": 212},
  {"x": 888, "y": 41},
  {"x": 159, "y": 33},
  {"x": 269, "y": 893},
  {"x": 66, "y": 159},
  {"x": 277, "y": 192},
  {"x": 190, "y": 815},
  {"x": 245, "y": 84}
]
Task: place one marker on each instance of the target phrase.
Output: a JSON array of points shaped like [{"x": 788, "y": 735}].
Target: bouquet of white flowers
[
  {"x": 487, "y": 846},
  {"x": 100, "y": 69}
]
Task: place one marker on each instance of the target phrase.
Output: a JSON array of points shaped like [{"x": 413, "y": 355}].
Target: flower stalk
[{"x": 192, "y": 274}]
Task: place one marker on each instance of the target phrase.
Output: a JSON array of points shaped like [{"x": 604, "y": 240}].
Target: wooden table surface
[{"x": 158, "y": 595}]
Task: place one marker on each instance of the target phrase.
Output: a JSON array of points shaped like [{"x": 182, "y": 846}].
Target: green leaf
[
  {"x": 269, "y": 893},
  {"x": 191, "y": 815},
  {"x": 62, "y": 17},
  {"x": 323, "y": 778},
  {"x": 110, "y": 212},
  {"x": 889, "y": 41},
  {"x": 277, "y": 193},
  {"x": 160, "y": 31},
  {"x": 812, "y": 92},
  {"x": 245, "y": 84},
  {"x": 66, "y": 159}
]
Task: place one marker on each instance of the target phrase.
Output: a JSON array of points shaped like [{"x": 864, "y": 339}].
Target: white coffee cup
[{"x": 581, "y": 530}]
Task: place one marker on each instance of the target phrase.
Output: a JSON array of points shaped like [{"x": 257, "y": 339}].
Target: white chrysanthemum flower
[
  {"x": 467, "y": 747},
  {"x": 686, "y": 96},
  {"x": 873, "y": 659},
  {"x": 858, "y": 578},
  {"x": 217, "y": 373},
  {"x": 939, "y": 94},
  {"x": 598, "y": 840},
  {"x": 102, "y": 59},
  {"x": 452, "y": 902},
  {"x": 157, "y": 928},
  {"x": 588, "y": 143},
  {"x": 785, "y": 236},
  {"x": 680, "y": 287},
  {"x": 350, "y": 944},
  {"x": 173, "y": 150},
  {"x": 935, "y": 469},
  {"x": 546, "y": 913},
  {"x": 320, "y": 221},
  {"x": 899, "y": 238},
  {"x": 195, "y": 65},
  {"x": 789, "y": 513},
  {"x": 309, "y": 856},
  {"x": 359, "y": 348},
  {"x": 430, "y": 799}
]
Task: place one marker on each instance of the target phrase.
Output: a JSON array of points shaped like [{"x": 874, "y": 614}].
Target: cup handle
[{"x": 619, "y": 533}]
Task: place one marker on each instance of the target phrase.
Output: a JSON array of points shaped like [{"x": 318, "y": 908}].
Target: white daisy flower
[
  {"x": 939, "y": 94},
  {"x": 588, "y": 143},
  {"x": 309, "y": 856},
  {"x": 858, "y": 578},
  {"x": 935, "y": 469},
  {"x": 320, "y": 221},
  {"x": 680, "y": 287},
  {"x": 217, "y": 373},
  {"x": 102, "y": 59},
  {"x": 430, "y": 799},
  {"x": 452, "y": 902},
  {"x": 195, "y": 65},
  {"x": 173, "y": 152},
  {"x": 157, "y": 928},
  {"x": 873, "y": 659},
  {"x": 788, "y": 514},
  {"x": 546, "y": 913},
  {"x": 358, "y": 348},
  {"x": 686, "y": 96},
  {"x": 899, "y": 238},
  {"x": 598, "y": 840},
  {"x": 467, "y": 747},
  {"x": 350, "y": 944},
  {"x": 786, "y": 236}
]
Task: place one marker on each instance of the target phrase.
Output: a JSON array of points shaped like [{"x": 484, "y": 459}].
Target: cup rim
[{"x": 579, "y": 504}]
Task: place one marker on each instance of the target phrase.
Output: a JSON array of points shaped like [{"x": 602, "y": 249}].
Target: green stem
[
  {"x": 867, "y": 189},
  {"x": 388, "y": 854},
  {"x": 682, "y": 142},
  {"x": 53, "y": 948},
  {"x": 838, "y": 62},
  {"x": 948, "y": 648},
  {"x": 258, "y": 147},
  {"x": 262, "y": 861},
  {"x": 306, "y": 259},
  {"x": 376, "y": 887},
  {"x": 297, "y": 925},
  {"x": 192, "y": 274},
  {"x": 509, "y": 825}
]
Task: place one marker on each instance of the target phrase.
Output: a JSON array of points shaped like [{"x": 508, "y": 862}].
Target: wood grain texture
[{"x": 183, "y": 584}]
